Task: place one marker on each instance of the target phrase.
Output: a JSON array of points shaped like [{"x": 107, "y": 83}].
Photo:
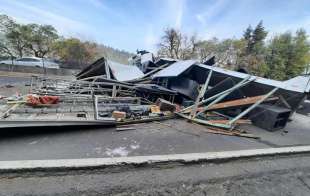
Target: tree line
[
  {"x": 280, "y": 57},
  {"x": 43, "y": 41}
]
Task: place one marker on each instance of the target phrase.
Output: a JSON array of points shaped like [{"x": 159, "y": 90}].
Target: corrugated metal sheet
[
  {"x": 175, "y": 69},
  {"x": 124, "y": 72},
  {"x": 297, "y": 84},
  {"x": 146, "y": 58}
]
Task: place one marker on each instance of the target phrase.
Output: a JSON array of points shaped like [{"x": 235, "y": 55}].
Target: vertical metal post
[
  {"x": 31, "y": 85},
  {"x": 114, "y": 91},
  {"x": 201, "y": 94},
  {"x": 252, "y": 106},
  {"x": 95, "y": 103}
]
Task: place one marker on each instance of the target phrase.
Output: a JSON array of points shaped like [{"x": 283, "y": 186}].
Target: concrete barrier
[{"x": 63, "y": 164}]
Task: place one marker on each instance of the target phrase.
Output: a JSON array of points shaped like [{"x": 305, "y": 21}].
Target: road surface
[{"x": 285, "y": 176}]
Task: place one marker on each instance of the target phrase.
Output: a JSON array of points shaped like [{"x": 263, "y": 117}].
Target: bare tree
[
  {"x": 170, "y": 43},
  {"x": 176, "y": 45}
]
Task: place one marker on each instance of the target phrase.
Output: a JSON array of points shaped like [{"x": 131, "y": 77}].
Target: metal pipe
[
  {"x": 223, "y": 94},
  {"x": 201, "y": 94},
  {"x": 252, "y": 106},
  {"x": 219, "y": 94}
]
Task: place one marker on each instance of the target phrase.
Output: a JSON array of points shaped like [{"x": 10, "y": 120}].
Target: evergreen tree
[
  {"x": 288, "y": 55},
  {"x": 247, "y": 35},
  {"x": 258, "y": 37}
]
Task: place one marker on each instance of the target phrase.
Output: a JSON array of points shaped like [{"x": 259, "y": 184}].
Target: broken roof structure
[
  {"x": 199, "y": 73},
  {"x": 112, "y": 70},
  {"x": 199, "y": 92},
  {"x": 191, "y": 69}
]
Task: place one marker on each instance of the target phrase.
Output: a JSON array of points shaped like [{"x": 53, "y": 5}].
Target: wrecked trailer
[
  {"x": 213, "y": 96},
  {"x": 294, "y": 91},
  {"x": 222, "y": 85}
]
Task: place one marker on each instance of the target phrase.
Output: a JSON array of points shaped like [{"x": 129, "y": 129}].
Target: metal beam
[
  {"x": 252, "y": 106},
  {"x": 201, "y": 94},
  {"x": 227, "y": 92}
]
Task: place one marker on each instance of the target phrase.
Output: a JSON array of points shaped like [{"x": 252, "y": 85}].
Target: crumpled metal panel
[
  {"x": 175, "y": 69},
  {"x": 124, "y": 72}
]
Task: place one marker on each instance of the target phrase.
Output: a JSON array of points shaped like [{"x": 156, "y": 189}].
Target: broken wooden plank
[
  {"x": 216, "y": 130},
  {"x": 144, "y": 120},
  {"x": 235, "y": 103},
  {"x": 239, "y": 102}
]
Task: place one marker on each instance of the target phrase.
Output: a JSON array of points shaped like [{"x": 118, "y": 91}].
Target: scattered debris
[
  {"x": 151, "y": 90},
  {"x": 155, "y": 109},
  {"x": 125, "y": 128},
  {"x": 118, "y": 115},
  {"x": 46, "y": 100},
  {"x": 165, "y": 105}
]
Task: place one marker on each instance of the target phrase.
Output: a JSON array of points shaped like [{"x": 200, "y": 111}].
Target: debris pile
[{"x": 109, "y": 93}]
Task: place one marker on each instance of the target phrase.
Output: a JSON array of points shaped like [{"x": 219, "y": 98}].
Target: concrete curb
[{"x": 6, "y": 166}]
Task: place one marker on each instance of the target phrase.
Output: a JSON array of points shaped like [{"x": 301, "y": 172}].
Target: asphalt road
[
  {"x": 169, "y": 137},
  {"x": 273, "y": 176},
  {"x": 285, "y": 176}
]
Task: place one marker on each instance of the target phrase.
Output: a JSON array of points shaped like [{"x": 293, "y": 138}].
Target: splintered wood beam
[
  {"x": 235, "y": 103},
  {"x": 239, "y": 102}
]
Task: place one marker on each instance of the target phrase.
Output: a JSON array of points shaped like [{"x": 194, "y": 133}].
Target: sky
[{"x": 138, "y": 24}]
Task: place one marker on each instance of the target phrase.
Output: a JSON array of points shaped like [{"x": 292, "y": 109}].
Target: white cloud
[
  {"x": 150, "y": 40},
  {"x": 175, "y": 11},
  {"x": 211, "y": 11},
  {"x": 25, "y": 13},
  {"x": 179, "y": 14}
]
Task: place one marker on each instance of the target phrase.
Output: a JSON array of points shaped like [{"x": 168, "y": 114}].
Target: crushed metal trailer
[
  {"x": 216, "y": 97},
  {"x": 294, "y": 91}
]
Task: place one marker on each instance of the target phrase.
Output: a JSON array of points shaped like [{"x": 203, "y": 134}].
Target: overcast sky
[{"x": 138, "y": 24}]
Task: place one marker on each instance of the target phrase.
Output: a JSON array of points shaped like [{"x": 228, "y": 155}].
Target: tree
[
  {"x": 18, "y": 38},
  {"x": 5, "y": 50},
  {"x": 170, "y": 43},
  {"x": 288, "y": 55},
  {"x": 188, "y": 47},
  {"x": 41, "y": 39},
  {"x": 176, "y": 45},
  {"x": 74, "y": 53},
  {"x": 253, "y": 56},
  {"x": 259, "y": 35},
  {"x": 6, "y": 25},
  {"x": 248, "y": 37}
]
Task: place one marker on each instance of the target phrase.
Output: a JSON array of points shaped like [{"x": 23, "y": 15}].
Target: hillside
[{"x": 113, "y": 54}]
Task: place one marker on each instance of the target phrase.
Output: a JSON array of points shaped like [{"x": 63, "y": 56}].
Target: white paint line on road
[{"x": 185, "y": 158}]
